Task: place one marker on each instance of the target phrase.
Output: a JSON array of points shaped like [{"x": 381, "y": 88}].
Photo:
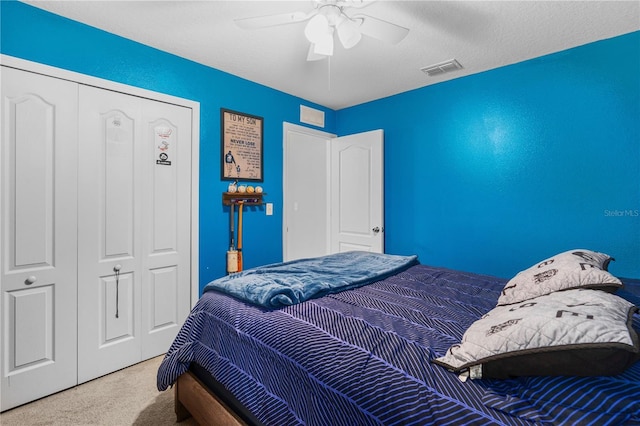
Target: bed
[{"x": 397, "y": 347}]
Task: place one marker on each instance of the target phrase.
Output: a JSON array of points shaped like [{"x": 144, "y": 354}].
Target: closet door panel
[
  {"x": 32, "y": 331},
  {"x": 163, "y": 283},
  {"x": 109, "y": 221},
  {"x": 164, "y": 187},
  {"x": 167, "y": 249},
  {"x": 37, "y": 236},
  {"x": 116, "y": 184},
  {"x": 116, "y": 316},
  {"x": 32, "y": 169}
]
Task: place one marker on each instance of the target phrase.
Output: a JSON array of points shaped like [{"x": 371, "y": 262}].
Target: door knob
[
  {"x": 30, "y": 280},
  {"x": 376, "y": 229}
]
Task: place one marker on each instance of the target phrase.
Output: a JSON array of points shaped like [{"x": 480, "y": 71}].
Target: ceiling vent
[{"x": 441, "y": 68}]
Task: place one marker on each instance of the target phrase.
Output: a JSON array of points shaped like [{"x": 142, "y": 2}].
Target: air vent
[
  {"x": 441, "y": 68},
  {"x": 311, "y": 116}
]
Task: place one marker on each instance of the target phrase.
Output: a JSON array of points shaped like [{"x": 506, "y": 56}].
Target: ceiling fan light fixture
[
  {"x": 317, "y": 28},
  {"x": 327, "y": 18},
  {"x": 349, "y": 33}
]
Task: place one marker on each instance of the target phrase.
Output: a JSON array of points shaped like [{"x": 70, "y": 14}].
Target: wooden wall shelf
[{"x": 248, "y": 199}]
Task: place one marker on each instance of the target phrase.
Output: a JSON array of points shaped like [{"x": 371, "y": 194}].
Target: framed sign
[{"x": 242, "y": 138}]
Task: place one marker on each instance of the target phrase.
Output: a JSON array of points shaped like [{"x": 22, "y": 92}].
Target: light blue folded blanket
[{"x": 288, "y": 283}]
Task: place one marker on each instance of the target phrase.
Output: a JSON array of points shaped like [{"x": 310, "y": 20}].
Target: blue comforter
[
  {"x": 363, "y": 357},
  {"x": 289, "y": 283}
]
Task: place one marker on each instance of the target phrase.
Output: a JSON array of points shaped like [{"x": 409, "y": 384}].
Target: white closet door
[
  {"x": 109, "y": 224},
  {"x": 166, "y": 211},
  {"x": 134, "y": 228},
  {"x": 37, "y": 236}
]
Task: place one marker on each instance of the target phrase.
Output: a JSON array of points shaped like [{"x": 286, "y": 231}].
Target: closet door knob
[{"x": 30, "y": 280}]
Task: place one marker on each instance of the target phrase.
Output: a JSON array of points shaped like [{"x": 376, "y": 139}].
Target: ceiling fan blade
[
  {"x": 273, "y": 20},
  {"x": 381, "y": 30},
  {"x": 356, "y": 4},
  {"x": 313, "y": 56}
]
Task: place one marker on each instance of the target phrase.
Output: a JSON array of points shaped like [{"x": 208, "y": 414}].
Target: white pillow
[
  {"x": 578, "y": 268},
  {"x": 570, "y": 333}
]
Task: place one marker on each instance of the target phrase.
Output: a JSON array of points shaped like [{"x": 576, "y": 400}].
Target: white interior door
[
  {"x": 134, "y": 217},
  {"x": 333, "y": 192},
  {"x": 110, "y": 196},
  {"x": 166, "y": 211},
  {"x": 38, "y": 236},
  {"x": 306, "y": 192},
  {"x": 357, "y": 192}
]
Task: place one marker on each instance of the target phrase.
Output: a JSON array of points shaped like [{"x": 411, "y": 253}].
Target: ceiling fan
[{"x": 330, "y": 17}]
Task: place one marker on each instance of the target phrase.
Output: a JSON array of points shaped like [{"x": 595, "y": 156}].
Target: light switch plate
[{"x": 269, "y": 209}]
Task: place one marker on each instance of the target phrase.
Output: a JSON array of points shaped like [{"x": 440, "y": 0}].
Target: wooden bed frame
[{"x": 193, "y": 398}]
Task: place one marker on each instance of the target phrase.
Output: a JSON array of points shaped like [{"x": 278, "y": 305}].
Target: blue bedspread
[
  {"x": 288, "y": 283},
  {"x": 363, "y": 357}
]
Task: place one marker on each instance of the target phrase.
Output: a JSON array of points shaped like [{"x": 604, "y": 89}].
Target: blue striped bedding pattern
[{"x": 362, "y": 357}]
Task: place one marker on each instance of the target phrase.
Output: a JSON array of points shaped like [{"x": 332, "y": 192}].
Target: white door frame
[{"x": 23, "y": 64}]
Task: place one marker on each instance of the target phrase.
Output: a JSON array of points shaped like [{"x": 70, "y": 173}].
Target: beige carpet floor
[{"x": 126, "y": 397}]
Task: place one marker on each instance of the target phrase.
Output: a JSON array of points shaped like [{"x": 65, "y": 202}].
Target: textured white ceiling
[{"x": 481, "y": 35}]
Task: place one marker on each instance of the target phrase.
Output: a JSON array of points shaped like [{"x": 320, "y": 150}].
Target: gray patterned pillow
[
  {"x": 577, "y": 332},
  {"x": 578, "y": 268}
]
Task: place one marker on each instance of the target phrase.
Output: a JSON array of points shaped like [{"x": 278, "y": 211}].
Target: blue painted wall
[
  {"x": 493, "y": 172},
  {"x": 32, "y": 34},
  {"x": 487, "y": 173}
]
